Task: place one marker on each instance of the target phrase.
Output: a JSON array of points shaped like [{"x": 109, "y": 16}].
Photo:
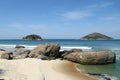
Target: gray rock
[
  {"x": 65, "y": 52},
  {"x": 43, "y": 57},
  {"x": 92, "y": 57},
  {"x": 6, "y": 55},
  {"x": 19, "y": 50},
  {"x": 19, "y": 46},
  {"x": 75, "y": 50},
  {"x": 49, "y": 50},
  {"x": 21, "y": 55},
  {"x": 2, "y": 50}
]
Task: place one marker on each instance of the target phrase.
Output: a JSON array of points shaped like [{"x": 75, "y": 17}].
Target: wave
[
  {"x": 115, "y": 49},
  {"x": 107, "y": 76},
  {"x": 104, "y": 77},
  {"x": 75, "y": 47},
  {"x": 99, "y": 76},
  {"x": 5, "y": 46}
]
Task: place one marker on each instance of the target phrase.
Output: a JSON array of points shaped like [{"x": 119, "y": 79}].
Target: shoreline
[
  {"x": 36, "y": 69},
  {"x": 71, "y": 69}
]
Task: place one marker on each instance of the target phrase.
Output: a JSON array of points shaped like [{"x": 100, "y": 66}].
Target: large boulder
[
  {"x": 21, "y": 55},
  {"x": 92, "y": 57},
  {"x": 6, "y": 55},
  {"x": 49, "y": 50}
]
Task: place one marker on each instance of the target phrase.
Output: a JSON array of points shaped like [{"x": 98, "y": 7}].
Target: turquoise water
[{"x": 112, "y": 70}]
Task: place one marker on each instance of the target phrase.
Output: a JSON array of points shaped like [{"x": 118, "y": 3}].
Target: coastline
[
  {"x": 36, "y": 69},
  {"x": 110, "y": 70}
]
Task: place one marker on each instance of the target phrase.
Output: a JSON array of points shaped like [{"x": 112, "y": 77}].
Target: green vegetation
[
  {"x": 96, "y": 36},
  {"x": 32, "y": 37}
]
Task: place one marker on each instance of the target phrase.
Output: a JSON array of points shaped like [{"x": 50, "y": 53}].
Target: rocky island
[
  {"x": 96, "y": 36},
  {"x": 32, "y": 37}
]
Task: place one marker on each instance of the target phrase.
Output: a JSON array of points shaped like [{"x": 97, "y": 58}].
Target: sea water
[{"x": 111, "y": 70}]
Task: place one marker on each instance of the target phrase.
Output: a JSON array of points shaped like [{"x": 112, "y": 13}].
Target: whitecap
[{"x": 75, "y": 47}]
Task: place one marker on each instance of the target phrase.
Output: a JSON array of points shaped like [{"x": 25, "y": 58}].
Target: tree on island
[{"x": 32, "y": 37}]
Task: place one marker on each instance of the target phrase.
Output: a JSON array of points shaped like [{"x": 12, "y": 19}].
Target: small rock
[
  {"x": 106, "y": 78},
  {"x": 19, "y": 46},
  {"x": 2, "y": 50}
]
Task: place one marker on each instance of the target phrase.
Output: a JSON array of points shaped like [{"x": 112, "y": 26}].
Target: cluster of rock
[{"x": 51, "y": 51}]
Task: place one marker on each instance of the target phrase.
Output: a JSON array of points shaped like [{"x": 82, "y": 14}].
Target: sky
[{"x": 59, "y": 19}]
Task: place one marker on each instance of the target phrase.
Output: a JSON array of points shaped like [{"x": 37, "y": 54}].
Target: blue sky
[{"x": 68, "y": 19}]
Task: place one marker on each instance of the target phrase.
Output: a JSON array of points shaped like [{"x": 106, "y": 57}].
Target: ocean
[{"x": 111, "y": 70}]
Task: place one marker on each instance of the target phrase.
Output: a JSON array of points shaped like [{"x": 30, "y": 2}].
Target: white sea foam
[
  {"x": 111, "y": 77},
  {"x": 64, "y": 47},
  {"x": 118, "y": 57},
  {"x": 115, "y": 49},
  {"x": 103, "y": 77},
  {"x": 75, "y": 47},
  {"x": 29, "y": 47},
  {"x": 11, "y": 47},
  {"x": 6, "y": 46}
]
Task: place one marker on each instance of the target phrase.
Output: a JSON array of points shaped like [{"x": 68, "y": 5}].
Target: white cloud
[
  {"x": 109, "y": 18},
  {"x": 106, "y": 4},
  {"x": 112, "y": 17},
  {"x": 101, "y": 5},
  {"x": 27, "y": 26},
  {"x": 75, "y": 15}
]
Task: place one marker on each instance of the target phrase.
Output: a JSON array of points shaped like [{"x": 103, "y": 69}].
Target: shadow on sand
[{"x": 1, "y": 72}]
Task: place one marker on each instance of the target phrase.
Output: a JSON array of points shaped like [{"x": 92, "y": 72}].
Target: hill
[
  {"x": 96, "y": 36},
  {"x": 32, "y": 37}
]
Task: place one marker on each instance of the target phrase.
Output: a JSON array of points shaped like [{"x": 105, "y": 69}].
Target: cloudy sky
[{"x": 67, "y": 19}]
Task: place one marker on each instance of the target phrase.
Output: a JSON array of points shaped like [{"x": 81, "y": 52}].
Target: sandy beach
[{"x": 36, "y": 69}]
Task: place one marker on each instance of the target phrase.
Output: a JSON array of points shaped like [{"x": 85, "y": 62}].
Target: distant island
[
  {"x": 32, "y": 37},
  {"x": 96, "y": 36}
]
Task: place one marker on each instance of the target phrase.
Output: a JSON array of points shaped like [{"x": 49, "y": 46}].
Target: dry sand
[{"x": 36, "y": 69}]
